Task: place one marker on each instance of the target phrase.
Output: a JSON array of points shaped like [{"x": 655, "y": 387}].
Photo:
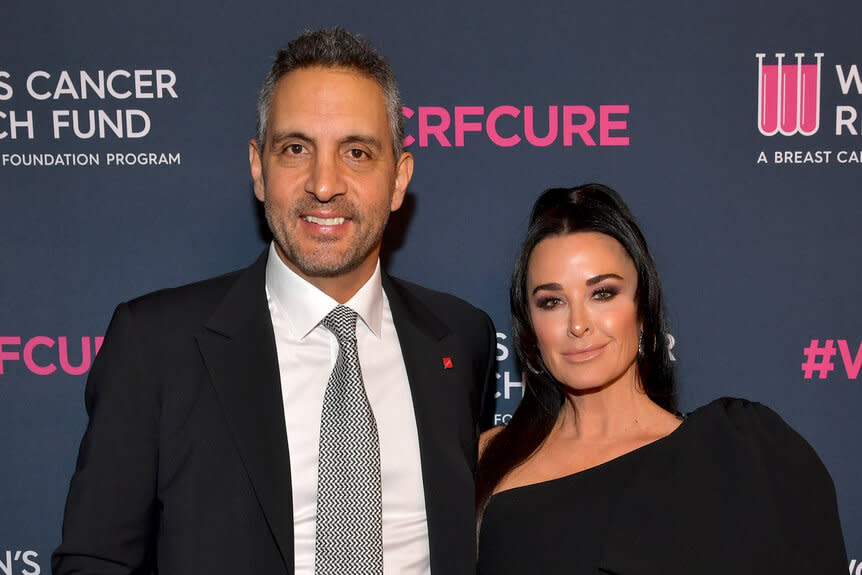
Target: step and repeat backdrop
[{"x": 731, "y": 128}]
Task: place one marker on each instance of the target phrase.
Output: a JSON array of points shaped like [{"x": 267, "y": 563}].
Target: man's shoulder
[
  {"x": 448, "y": 307},
  {"x": 195, "y": 301},
  {"x": 430, "y": 296}
]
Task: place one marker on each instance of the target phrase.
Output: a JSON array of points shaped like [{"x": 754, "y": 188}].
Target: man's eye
[
  {"x": 295, "y": 148},
  {"x": 357, "y": 153}
]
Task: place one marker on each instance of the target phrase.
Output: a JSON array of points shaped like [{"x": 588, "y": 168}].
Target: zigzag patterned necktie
[{"x": 349, "y": 531}]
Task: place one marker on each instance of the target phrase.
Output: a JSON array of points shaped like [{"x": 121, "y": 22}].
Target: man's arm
[
  {"x": 110, "y": 518},
  {"x": 487, "y": 405}
]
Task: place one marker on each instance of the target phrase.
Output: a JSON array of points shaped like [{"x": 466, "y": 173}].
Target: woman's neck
[{"x": 616, "y": 411}]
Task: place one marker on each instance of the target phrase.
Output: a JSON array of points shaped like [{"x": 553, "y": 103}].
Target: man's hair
[{"x": 333, "y": 48}]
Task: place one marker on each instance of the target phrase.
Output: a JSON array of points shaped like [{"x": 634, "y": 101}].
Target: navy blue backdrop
[{"x": 123, "y": 169}]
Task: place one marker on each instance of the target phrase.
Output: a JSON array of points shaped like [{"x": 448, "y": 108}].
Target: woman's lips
[{"x": 584, "y": 354}]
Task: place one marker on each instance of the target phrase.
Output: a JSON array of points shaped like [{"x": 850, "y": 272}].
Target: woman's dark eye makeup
[
  {"x": 600, "y": 293},
  {"x": 605, "y": 292},
  {"x": 547, "y": 301}
]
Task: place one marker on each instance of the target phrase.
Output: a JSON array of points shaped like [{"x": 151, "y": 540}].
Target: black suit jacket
[{"x": 184, "y": 467}]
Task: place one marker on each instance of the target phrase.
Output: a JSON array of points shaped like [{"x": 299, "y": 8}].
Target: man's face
[{"x": 327, "y": 175}]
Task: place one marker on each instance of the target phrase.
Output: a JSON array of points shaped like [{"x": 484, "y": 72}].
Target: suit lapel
[
  {"x": 423, "y": 340},
  {"x": 238, "y": 349}
]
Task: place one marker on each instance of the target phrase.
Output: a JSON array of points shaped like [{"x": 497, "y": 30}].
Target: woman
[{"x": 596, "y": 472}]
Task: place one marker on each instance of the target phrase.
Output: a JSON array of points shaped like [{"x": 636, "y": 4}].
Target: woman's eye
[
  {"x": 603, "y": 294},
  {"x": 548, "y": 302}
]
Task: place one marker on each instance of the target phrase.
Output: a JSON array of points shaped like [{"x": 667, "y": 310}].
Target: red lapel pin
[{"x": 448, "y": 363}]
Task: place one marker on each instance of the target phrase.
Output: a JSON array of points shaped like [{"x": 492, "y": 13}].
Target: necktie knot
[{"x": 341, "y": 321}]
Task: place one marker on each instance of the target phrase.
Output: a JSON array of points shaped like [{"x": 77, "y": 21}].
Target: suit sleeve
[
  {"x": 803, "y": 492},
  {"x": 489, "y": 382},
  {"x": 110, "y": 514}
]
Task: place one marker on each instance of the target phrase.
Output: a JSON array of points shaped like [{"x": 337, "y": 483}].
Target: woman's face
[{"x": 581, "y": 293}]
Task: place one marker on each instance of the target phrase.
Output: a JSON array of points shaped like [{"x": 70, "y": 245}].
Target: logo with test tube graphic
[{"x": 788, "y": 95}]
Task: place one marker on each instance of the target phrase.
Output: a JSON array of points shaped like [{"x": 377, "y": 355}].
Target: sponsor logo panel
[
  {"x": 70, "y": 113},
  {"x": 790, "y": 104}
]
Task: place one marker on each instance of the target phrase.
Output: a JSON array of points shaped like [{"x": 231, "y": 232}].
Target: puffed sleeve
[{"x": 802, "y": 490}]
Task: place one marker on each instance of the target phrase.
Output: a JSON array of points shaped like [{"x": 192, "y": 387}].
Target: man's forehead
[{"x": 323, "y": 98}]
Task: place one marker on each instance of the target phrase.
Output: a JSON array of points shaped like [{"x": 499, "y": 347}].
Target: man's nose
[{"x": 324, "y": 180}]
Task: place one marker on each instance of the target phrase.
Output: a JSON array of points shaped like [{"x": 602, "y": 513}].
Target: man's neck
[{"x": 341, "y": 287}]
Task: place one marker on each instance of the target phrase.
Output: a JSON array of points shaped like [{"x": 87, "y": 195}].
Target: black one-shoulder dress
[{"x": 733, "y": 490}]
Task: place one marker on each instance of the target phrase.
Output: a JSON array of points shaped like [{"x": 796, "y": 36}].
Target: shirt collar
[{"x": 304, "y": 306}]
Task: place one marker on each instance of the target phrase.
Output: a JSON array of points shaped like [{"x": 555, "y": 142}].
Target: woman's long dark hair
[{"x": 558, "y": 212}]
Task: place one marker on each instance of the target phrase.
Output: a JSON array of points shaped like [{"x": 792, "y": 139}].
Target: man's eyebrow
[
  {"x": 279, "y": 137},
  {"x": 370, "y": 141}
]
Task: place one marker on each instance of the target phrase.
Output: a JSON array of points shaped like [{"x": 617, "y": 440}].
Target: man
[{"x": 211, "y": 447}]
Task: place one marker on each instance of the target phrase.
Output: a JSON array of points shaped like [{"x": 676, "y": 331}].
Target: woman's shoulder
[
  {"x": 740, "y": 421},
  {"x": 738, "y": 413},
  {"x": 779, "y": 467}
]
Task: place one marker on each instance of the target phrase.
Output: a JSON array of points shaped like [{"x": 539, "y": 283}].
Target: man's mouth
[{"x": 324, "y": 221}]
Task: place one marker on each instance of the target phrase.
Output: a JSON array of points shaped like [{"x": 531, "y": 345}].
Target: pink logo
[
  {"x": 819, "y": 358},
  {"x": 41, "y": 353},
  {"x": 507, "y": 126},
  {"x": 788, "y": 96}
]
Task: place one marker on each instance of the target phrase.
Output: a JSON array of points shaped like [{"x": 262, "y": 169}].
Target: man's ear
[
  {"x": 403, "y": 175},
  {"x": 256, "y": 164}
]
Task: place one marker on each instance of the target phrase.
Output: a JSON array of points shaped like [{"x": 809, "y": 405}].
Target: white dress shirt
[{"x": 306, "y": 355}]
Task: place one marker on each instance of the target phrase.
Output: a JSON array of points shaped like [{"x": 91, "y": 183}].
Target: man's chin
[
  {"x": 326, "y": 271},
  {"x": 324, "y": 267}
]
